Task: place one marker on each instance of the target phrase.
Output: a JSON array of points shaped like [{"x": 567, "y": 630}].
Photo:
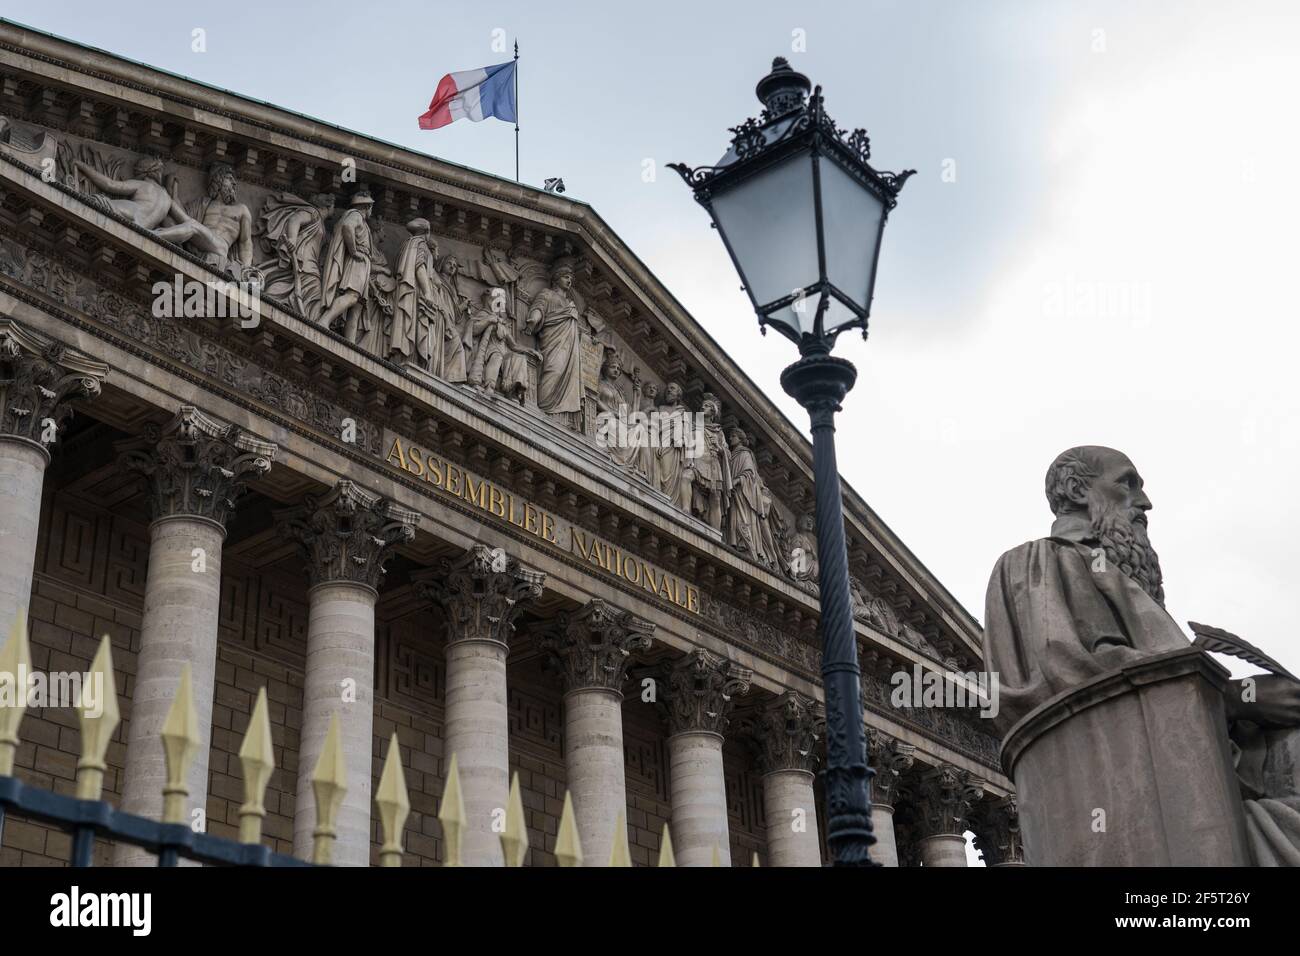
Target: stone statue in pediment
[
  {"x": 674, "y": 475},
  {"x": 347, "y": 268},
  {"x": 499, "y": 363},
  {"x": 416, "y": 332},
  {"x": 452, "y": 305},
  {"x": 712, "y": 483},
  {"x": 217, "y": 226},
  {"x": 291, "y": 234},
  {"x": 554, "y": 317},
  {"x": 803, "y": 549}
]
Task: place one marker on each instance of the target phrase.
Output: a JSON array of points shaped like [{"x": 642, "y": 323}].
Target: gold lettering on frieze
[{"x": 493, "y": 500}]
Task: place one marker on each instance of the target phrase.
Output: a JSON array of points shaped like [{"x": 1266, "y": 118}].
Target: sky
[{"x": 1099, "y": 246}]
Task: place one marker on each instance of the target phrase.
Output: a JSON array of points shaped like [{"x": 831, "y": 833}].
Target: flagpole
[{"x": 516, "y": 111}]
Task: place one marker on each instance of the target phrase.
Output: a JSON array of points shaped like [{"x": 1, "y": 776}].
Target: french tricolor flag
[{"x": 473, "y": 95}]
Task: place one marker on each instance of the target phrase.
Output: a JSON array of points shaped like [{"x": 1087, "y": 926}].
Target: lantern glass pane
[
  {"x": 769, "y": 221},
  {"x": 851, "y": 215}
]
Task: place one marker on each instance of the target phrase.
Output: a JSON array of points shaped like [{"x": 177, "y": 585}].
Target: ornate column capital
[
  {"x": 785, "y": 732},
  {"x": 890, "y": 759},
  {"x": 700, "y": 690},
  {"x": 348, "y": 534},
  {"x": 996, "y": 826},
  {"x": 592, "y": 646},
  {"x": 482, "y": 592},
  {"x": 39, "y": 377},
  {"x": 194, "y": 465},
  {"x": 945, "y": 797}
]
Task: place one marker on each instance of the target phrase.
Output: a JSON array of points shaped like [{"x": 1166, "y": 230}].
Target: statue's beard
[{"x": 1127, "y": 547}]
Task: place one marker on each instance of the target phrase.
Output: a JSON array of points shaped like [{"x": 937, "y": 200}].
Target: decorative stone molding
[
  {"x": 39, "y": 377},
  {"x": 890, "y": 759},
  {"x": 785, "y": 733},
  {"x": 482, "y": 593},
  {"x": 996, "y": 826},
  {"x": 348, "y": 535},
  {"x": 591, "y": 647},
  {"x": 700, "y": 690},
  {"x": 194, "y": 465},
  {"x": 945, "y": 797}
]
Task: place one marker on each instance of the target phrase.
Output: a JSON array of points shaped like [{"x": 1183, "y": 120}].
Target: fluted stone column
[
  {"x": 194, "y": 470},
  {"x": 890, "y": 759},
  {"x": 481, "y": 594},
  {"x": 996, "y": 826},
  {"x": 945, "y": 798},
  {"x": 786, "y": 733},
  {"x": 38, "y": 381},
  {"x": 346, "y": 537},
  {"x": 592, "y": 648},
  {"x": 699, "y": 697}
]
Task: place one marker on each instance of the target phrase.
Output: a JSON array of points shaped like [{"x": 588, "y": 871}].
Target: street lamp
[{"x": 801, "y": 213}]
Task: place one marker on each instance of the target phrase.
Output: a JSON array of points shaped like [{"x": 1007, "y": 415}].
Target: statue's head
[
  {"x": 650, "y": 390},
  {"x": 493, "y": 300},
  {"x": 418, "y": 227},
  {"x": 736, "y": 438},
  {"x": 613, "y": 364},
  {"x": 673, "y": 393},
  {"x": 1102, "y": 485},
  {"x": 324, "y": 202},
  {"x": 562, "y": 277},
  {"x": 221, "y": 182},
  {"x": 149, "y": 167},
  {"x": 449, "y": 266},
  {"x": 807, "y": 522},
  {"x": 710, "y": 407}
]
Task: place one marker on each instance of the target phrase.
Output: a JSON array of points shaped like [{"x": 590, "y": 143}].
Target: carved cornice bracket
[
  {"x": 195, "y": 466},
  {"x": 39, "y": 378},
  {"x": 482, "y": 593},
  {"x": 785, "y": 733},
  {"x": 700, "y": 690},
  {"x": 592, "y": 647},
  {"x": 348, "y": 534}
]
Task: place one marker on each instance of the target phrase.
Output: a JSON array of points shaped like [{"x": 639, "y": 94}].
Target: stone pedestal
[
  {"x": 1130, "y": 769},
  {"x": 701, "y": 688},
  {"x": 481, "y": 595},
  {"x": 194, "y": 469},
  {"x": 345, "y": 539},
  {"x": 591, "y": 648}
]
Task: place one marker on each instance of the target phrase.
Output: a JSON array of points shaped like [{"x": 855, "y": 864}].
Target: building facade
[{"x": 430, "y": 453}]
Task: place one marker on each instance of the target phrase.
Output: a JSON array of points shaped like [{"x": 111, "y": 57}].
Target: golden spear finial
[
  {"x": 329, "y": 783},
  {"x": 257, "y": 759},
  {"x": 180, "y": 740},
  {"x": 394, "y": 805},
  {"x": 99, "y": 718}
]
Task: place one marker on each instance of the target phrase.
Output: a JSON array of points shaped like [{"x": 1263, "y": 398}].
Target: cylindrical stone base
[
  {"x": 22, "y": 474},
  {"x": 476, "y": 732},
  {"x": 338, "y": 679},
  {"x": 182, "y": 597},
  {"x": 593, "y": 757},
  {"x": 943, "y": 849},
  {"x": 885, "y": 852},
  {"x": 791, "y": 813},
  {"x": 699, "y": 798}
]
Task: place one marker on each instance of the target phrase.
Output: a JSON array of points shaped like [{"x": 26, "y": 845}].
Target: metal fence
[{"x": 87, "y": 816}]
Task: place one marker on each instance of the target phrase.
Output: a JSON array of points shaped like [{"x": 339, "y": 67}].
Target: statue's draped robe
[
  {"x": 447, "y": 303},
  {"x": 746, "y": 503},
  {"x": 559, "y": 339},
  {"x": 342, "y": 272},
  {"x": 623, "y": 448},
  {"x": 1058, "y": 613},
  {"x": 296, "y": 278},
  {"x": 417, "y": 329},
  {"x": 672, "y": 470}
]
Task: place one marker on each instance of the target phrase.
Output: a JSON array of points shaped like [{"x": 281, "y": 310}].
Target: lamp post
[{"x": 801, "y": 213}]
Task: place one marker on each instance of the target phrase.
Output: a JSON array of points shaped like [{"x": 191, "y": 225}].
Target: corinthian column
[
  {"x": 945, "y": 798},
  {"x": 890, "y": 759},
  {"x": 38, "y": 380},
  {"x": 481, "y": 594},
  {"x": 345, "y": 538},
  {"x": 194, "y": 469},
  {"x": 786, "y": 732},
  {"x": 592, "y": 648},
  {"x": 996, "y": 827},
  {"x": 700, "y": 691}
]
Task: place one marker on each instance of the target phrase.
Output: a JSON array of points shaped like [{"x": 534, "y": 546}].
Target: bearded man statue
[{"x": 1089, "y": 599}]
